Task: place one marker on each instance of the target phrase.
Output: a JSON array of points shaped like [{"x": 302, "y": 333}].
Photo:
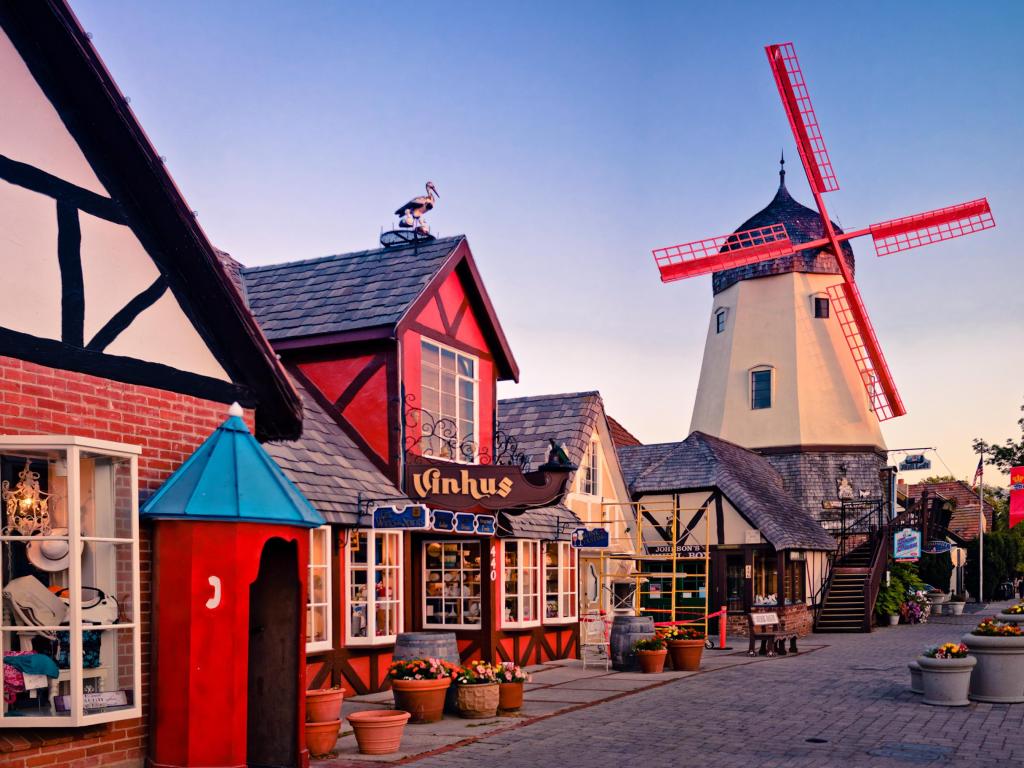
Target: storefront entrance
[{"x": 275, "y": 599}]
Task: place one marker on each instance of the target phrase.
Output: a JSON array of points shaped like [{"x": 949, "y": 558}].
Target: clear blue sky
[{"x": 567, "y": 140}]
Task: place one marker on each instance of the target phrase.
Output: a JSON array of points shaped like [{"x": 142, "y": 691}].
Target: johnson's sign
[{"x": 447, "y": 485}]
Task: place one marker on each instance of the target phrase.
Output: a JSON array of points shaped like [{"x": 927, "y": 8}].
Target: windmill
[{"x": 772, "y": 242}]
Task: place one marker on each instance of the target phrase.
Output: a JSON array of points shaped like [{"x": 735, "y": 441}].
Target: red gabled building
[{"x": 401, "y": 349}]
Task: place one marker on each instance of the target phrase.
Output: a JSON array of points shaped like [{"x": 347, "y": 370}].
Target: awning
[{"x": 554, "y": 523}]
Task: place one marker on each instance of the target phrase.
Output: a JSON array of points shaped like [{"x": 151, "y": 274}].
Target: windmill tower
[{"x": 792, "y": 367}]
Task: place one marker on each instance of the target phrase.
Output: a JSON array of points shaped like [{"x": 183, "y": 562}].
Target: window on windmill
[
  {"x": 720, "y": 321},
  {"x": 761, "y": 388},
  {"x": 821, "y": 308}
]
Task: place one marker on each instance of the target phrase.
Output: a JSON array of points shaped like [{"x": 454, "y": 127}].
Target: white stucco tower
[{"x": 777, "y": 375}]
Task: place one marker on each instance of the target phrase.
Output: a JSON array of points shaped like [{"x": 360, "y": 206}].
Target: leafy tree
[
  {"x": 936, "y": 570},
  {"x": 1004, "y": 551},
  {"x": 1006, "y": 456}
]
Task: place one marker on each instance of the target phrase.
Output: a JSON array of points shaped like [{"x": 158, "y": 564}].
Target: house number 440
[{"x": 494, "y": 560}]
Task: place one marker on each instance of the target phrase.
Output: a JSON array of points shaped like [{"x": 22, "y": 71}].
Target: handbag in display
[{"x": 100, "y": 608}]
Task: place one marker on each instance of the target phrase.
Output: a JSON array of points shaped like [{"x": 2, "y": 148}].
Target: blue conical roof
[{"x": 231, "y": 478}]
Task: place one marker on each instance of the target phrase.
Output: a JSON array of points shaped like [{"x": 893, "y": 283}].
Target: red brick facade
[{"x": 35, "y": 399}]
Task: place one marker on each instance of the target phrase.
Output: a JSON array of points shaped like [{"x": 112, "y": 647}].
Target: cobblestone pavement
[{"x": 853, "y": 695}]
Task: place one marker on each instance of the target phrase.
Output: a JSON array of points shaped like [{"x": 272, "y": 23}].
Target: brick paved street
[{"x": 853, "y": 694}]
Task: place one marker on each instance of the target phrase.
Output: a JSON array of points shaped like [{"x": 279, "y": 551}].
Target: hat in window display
[{"x": 51, "y": 555}]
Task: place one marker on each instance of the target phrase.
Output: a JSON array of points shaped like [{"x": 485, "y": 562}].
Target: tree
[
  {"x": 1006, "y": 456},
  {"x": 1003, "y": 555},
  {"x": 936, "y": 570}
]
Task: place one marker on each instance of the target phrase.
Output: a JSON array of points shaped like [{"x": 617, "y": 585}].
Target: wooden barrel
[
  {"x": 430, "y": 645},
  {"x": 626, "y": 630}
]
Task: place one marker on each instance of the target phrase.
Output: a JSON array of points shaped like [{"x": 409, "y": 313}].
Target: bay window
[
  {"x": 559, "y": 582},
  {"x": 449, "y": 386},
  {"x": 69, "y": 559},
  {"x": 451, "y": 584},
  {"x": 373, "y": 573},
  {"x": 521, "y": 581},
  {"x": 318, "y": 599}
]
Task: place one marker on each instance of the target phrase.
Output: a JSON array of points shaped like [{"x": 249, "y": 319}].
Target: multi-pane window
[
  {"x": 761, "y": 388},
  {"x": 559, "y": 582},
  {"x": 590, "y": 470},
  {"x": 373, "y": 573},
  {"x": 719, "y": 321},
  {"x": 796, "y": 581},
  {"x": 521, "y": 580},
  {"x": 318, "y": 599},
  {"x": 449, "y": 384},
  {"x": 451, "y": 584},
  {"x": 821, "y": 308}
]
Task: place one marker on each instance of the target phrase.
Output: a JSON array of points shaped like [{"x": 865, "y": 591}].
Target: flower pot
[
  {"x": 378, "y": 731},
  {"x": 915, "y": 677},
  {"x": 938, "y": 609},
  {"x": 477, "y": 701},
  {"x": 652, "y": 662},
  {"x": 510, "y": 697},
  {"x": 955, "y": 608},
  {"x": 422, "y": 699},
  {"x": 324, "y": 706},
  {"x": 894, "y": 619},
  {"x": 946, "y": 681},
  {"x": 937, "y": 597},
  {"x": 999, "y": 675},
  {"x": 685, "y": 654},
  {"x": 321, "y": 737}
]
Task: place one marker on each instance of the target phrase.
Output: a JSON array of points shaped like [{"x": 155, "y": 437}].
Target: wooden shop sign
[{"x": 489, "y": 486}]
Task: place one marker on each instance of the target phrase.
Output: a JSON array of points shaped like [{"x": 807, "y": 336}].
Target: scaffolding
[{"x": 669, "y": 549}]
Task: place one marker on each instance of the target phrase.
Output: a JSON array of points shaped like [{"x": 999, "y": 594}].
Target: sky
[{"x": 567, "y": 140}]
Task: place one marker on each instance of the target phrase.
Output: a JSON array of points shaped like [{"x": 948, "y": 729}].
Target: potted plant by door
[
  {"x": 685, "y": 647},
  {"x": 378, "y": 731},
  {"x": 887, "y": 605},
  {"x": 419, "y": 687},
  {"x": 1012, "y": 615},
  {"x": 651, "y": 653},
  {"x": 510, "y": 687},
  {"x": 946, "y": 675},
  {"x": 477, "y": 690},
  {"x": 999, "y": 675},
  {"x": 956, "y": 603}
]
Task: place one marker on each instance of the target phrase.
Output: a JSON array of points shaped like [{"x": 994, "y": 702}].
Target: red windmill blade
[
  {"x": 931, "y": 227},
  {"x": 716, "y": 253}
]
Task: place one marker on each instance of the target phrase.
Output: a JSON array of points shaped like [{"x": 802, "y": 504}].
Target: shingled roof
[
  {"x": 749, "y": 482},
  {"x": 567, "y": 418},
  {"x": 554, "y": 523},
  {"x": 620, "y": 435},
  {"x": 344, "y": 292},
  {"x": 329, "y": 469},
  {"x": 964, "y": 521}
]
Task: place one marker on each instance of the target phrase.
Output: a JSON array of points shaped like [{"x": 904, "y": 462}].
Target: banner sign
[
  {"x": 937, "y": 547},
  {"x": 463, "y": 487},
  {"x": 1016, "y": 495},
  {"x": 907, "y": 545},
  {"x": 462, "y": 522},
  {"x": 411, "y": 517},
  {"x": 592, "y": 538},
  {"x": 914, "y": 462}
]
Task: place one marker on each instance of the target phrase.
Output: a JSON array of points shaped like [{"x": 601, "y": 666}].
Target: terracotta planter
[
  {"x": 945, "y": 681},
  {"x": 324, "y": 706},
  {"x": 321, "y": 737},
  {"x": 422, "y": 699},
  {"x": 510, "y": 697},
  {"x": 652, "y": 662},
  {"x": 685, "y": 654},
  {"x": 477, "y": 701},
  {"x": 999, "y": 675},
  {"x": 378, "y": 731}
]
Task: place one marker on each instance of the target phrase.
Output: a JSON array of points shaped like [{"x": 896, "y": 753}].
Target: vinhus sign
[{"x": 449, "y": 485}]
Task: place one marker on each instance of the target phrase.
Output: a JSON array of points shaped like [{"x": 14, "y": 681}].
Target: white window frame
[
  {"x": 771, "y": 391},
  {"x": 567, "y": 566},
  {"x": 459, "y": 437},
  {"x": 371, "y": 566},
  {"x": 521, "y": 598},
  {"x": 325, "y": 536},
  {"x": 73, "y": 449},
  {"x": 590, "y": 466},
  {"x": 484, "y": 586}
]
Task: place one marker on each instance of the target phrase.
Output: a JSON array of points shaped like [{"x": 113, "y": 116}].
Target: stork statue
[{"x": 411, "y": 214}]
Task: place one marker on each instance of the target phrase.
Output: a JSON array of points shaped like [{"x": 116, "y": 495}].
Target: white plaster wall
[
  {"x": 818, "y": 396},
  {"x": 736, "y": 528}
]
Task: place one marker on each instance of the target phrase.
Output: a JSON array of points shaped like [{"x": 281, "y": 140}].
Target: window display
[
  {"x": 69, "y": 559},
  {"x": 451, "y": 584},
  {"x": 318, "y": 599},
  {"x": 521, "y": 582},
  {"x": 373, "y": 565},
  {"x": 559, "y": 582}
]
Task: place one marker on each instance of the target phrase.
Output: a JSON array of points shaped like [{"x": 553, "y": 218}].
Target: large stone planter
[
  {"x": 1011, "y": 618},
  {"x": 999, "y": 675},
  {"x": 945, "y": 682},
  {"x": 955, "y": 608},
  {"x": 478, "y": 700},
  {"x": 915, "y": 677}
]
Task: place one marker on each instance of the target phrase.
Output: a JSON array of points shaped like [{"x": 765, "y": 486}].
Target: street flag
[
  {"x": 979, "y": 473},
  {"x": 1016, "y": 495}
]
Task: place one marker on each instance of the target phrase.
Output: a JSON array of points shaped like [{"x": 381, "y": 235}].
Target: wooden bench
[{"x": 767, "y": 628}]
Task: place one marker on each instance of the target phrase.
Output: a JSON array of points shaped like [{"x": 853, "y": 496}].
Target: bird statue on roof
[
  {"x": 557, "y": 454},
  {"x": 411, "y": 214}
]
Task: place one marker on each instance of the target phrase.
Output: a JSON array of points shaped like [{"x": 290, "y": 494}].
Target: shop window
[
  {"x": 720, "y": 320},
  {"x": 559, "y": 582},
  {"x": 451, "y": 584},
  {"x": 821, "y": 307},
  {"x": 796, "y": 581},
  {"x": 766, "y": 578},
  {"x": 318, "y": 599},
  {"x": 761, "y": 388},
  {"x": 373, "y": 573},
  {"x": 69, "y": 559},
  {"x": 590, "y": 470},
  {"x": 521, "y": 580},
  {"x": 449, "y": 387}
]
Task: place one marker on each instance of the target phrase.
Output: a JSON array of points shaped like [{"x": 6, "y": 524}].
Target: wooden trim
[
  {"x": 719, "y": 517},
  {"x": 127, "y": 314},
  {"x": 72, "y": 282},
  {"x": 460, "y": 314},
  {"x": 345, "y": 338},
  {"x": 820, "y": 448},
  {"x": 443, "y": 314},
  {"x": 431, "y": 334},
  {"x": 359, "y": 381}
]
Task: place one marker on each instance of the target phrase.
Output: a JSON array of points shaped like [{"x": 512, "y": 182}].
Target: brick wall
[
  {"x": 797, "y": 618},
  {"x": 35, "y": 399}
]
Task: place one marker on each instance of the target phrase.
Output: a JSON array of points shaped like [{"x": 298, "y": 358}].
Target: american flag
[{"x": 979, "y": 473}]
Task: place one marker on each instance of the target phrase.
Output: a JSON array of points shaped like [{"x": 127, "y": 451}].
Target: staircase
[{"x": 844, "y": 607}]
